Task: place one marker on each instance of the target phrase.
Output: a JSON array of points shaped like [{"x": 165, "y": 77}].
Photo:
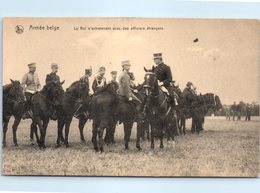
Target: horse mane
[{"x": 73, "y": 84}]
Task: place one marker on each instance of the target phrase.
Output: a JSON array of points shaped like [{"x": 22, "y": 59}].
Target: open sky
[{"x": 225, "y": 60}]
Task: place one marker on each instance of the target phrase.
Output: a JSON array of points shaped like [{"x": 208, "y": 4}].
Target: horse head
[
  {"x": 218, "y": 103},
  {"x": 150, "y": 84},
  {"x": 15, "y": 91},
  {"x": 79, "y": 90}
]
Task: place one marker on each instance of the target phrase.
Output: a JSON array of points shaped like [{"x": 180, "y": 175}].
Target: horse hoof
[
  {"x": 161, "y": 146},
  {"x": 152, "y": 146},
  {"x": 139, "y": 148},
  {"x": 4, "y": 144},
  {"x": 58, "y": 145},
  {"x": 16, "y": 144},
  {"x": 83, "y": 141},
  {"x": 96, "y": 149},
  {"x": 67, "y": 145}
]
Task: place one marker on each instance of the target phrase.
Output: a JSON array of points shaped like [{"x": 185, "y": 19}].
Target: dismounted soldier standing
[
  {"x": 234, "y": 110},
  {"x": 248, "y": 112},
  {"x": 114, "y": 77},
  {"x": 99, "y": 81},
  {"x": 30, "y": 84},
  {"x": 53, "y": 75},
  {"x": 164, "y": 75}
]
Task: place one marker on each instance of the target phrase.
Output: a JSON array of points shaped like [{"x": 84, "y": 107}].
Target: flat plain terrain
[{"x": 224, "y": 148}]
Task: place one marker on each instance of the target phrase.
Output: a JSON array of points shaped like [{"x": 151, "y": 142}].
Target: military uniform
[
  {"x": 164, "y": 75},
  {"x": 31, "y": 84},
  {"x": 124, "y": 85},
  {"x": 98, "y": 84},
  {"x": 85, "y": 78},
  {"x": 52, "y": 77},
  {"x": 114, "y": 81}
]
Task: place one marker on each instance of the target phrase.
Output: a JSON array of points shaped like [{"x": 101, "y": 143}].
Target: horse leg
[
  {"x": 45, "y": 125},
  {"x": 127, "y": 129},
  {"x": 15, "y": 125},
  {"x": 6, "y": 121},
  {"x": 82, "y": 122},
  {"x": 100, "y": 138},
  {"x": 67, "y": 128},
  {"x": 59, "y": 131},
  {"x": 94, "y": 134},
  {"x": 139, "y": 134},
  {"x": 147, "y": 129},
  {"x": 113, "y": 129},
  {"x": 161, "y": 138},
  {"x": 152, "y": 137},
  {"x": 34, "y": 131},
  {"x": 184, "y": 125},
  {"x": 39, "y": 123}
]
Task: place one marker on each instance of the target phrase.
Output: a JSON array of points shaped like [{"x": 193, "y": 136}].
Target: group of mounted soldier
[{"x": 158, "y": 103}]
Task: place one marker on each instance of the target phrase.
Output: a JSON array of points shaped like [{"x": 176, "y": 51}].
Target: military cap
[
  {"x": 189, "y": 84},
  {"x": 102, "y": 69},
  {"x": 125, "y": 63},
  {"x": 157, "y": 55},
  {"x": 114, "y": 72},
  {"x": 54, "y": 65},
  {"x": 32, "y": 65}
]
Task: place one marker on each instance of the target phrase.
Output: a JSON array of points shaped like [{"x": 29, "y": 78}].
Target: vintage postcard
[{"x": 131, "y": 97}]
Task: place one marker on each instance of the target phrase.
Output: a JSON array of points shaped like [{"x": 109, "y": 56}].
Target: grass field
[{"x": 224, "y": 148}]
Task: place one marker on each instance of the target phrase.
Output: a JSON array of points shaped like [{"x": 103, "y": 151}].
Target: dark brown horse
[
  {"x": 13, "y": 102},
  {"x": 72, "y": 102},
  {"x": 41, "y": 102},
  {"x": 103, "y": 107},
  {"x": 158, "y": 111}
]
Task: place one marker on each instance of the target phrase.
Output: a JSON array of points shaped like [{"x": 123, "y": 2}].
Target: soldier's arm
[
  {"x": 169, "y": 76},
  {"x": 38, "y": 85},
  {"x": 94, "y": 85},
  {"x": 24, "y": 81}
]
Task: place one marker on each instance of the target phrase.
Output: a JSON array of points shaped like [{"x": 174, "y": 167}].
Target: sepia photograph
[{"x": 148, "y": 97}]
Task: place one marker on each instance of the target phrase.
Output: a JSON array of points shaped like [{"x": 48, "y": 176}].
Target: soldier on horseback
[
  {"x": 100, "y": 81},
  {"x": 53, "y": 75},
  {"x": 30, "y": 84},
  {"x": 114, "y": 76},
  {"x": 85, "y": 77},
  {"x": 164, "y": 75},
  {"x": 125, "y": 89}
]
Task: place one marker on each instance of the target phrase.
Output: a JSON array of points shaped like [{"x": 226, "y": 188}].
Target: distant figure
[
  {"x": 99, "y": 81},
  {"x": 234, "y": 110},
  {"x": 53, "y": 75},
  {"x": 228, "y": 114},
  {"x": 248, "y": 112}
]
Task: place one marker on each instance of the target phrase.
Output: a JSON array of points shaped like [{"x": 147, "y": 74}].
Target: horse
[
  {"x": 72, "y": 102},
  {"x": 41, "y": 102},
  {"x": 13, "y": 102},
  {"x": 103, "y": 107},
  {"x": 157, "y": 109}
]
